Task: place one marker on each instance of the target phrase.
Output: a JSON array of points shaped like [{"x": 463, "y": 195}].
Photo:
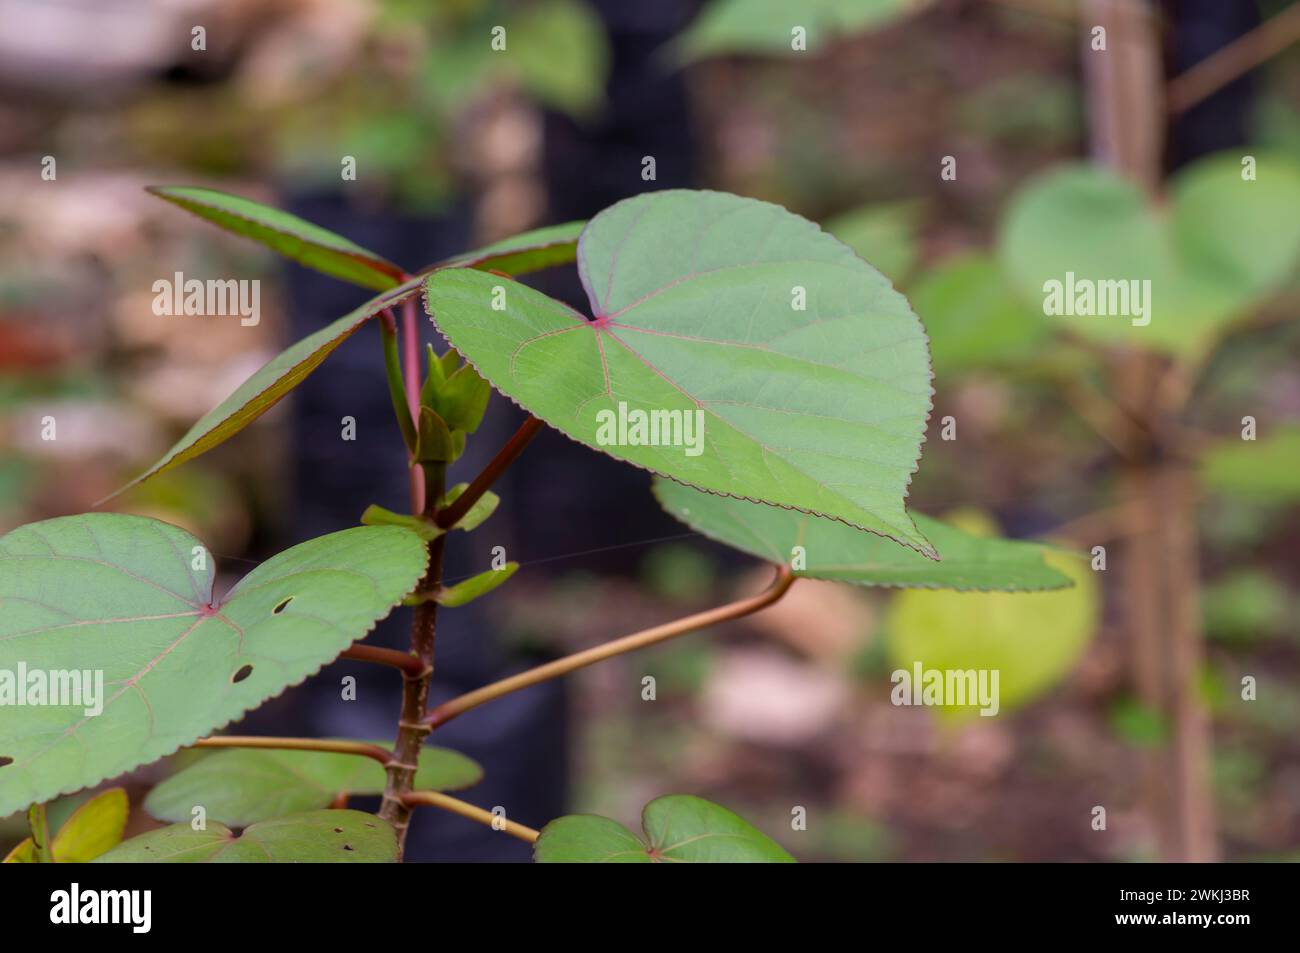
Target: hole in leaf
[
  {"x": 242, "y": 674},
  {"x": 347, "y": 846},
  {"x": 4, "y": 760},
  {"x": 280, "y": 608}
]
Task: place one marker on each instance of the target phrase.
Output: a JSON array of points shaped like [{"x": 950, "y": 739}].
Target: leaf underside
[
  {"x": 697, "y": 295},
  {"x": 291, "y": 236},
  {"x": 521, "y": 254},
  {"x": 270, "y": 384},
  {"x": 316, "y": 837},
  {"x": 530, "y": 251},
  {"x": 116, "y": 594},
  {"x": 834, "y": 551},
  {"x": 679, "y": 828}
]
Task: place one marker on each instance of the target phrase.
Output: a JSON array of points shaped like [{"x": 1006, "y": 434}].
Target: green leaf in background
[
  {"x": 883, "y": 234},
  {"x": 679, "y": 829},
  {"x": 521, "y": 254},
  {"x": 1266, "y": 471},
  {"x": 287, "y": 234},
  {"x": 474, "y": 587},
  {"x": 838, "y": 552},
  {"x": 270, "y": 383},
  {"x": 764, "y": 26},
  {"x": 243, "y": 786},
  {"x": 132, "y": 598},
  {"x": 1030, "y": 110},
  {"x": 974, "y": 317},
  {"x": 93, "y": 828},
  {"x": 559, "y": 53},
  {"x": 809, "y": 372},
  {"x": 1245, "y": 235},
  {"x": 1087, "y": 221},
  {"x": 1247, "y": 606},
  {"x": 317, "y": 837},
  {"x": 1030, "y": 639}
]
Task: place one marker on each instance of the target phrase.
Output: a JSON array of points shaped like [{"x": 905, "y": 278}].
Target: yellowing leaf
[
  {"x": 94, "y": 828},
  {"x": 1030, "y": 639}
]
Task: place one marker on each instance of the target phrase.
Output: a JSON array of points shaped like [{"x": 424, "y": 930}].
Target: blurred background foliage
[{"x": 790, "y": 708}]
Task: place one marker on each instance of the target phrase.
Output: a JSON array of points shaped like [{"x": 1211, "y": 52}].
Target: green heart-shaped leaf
[
  {"x": 243, "y": 786},
  {"x": 1082, "y": 226},
  {"x": 832, "y": 550},
  {"x": 523, "y": 253},
  {"x": 1087, "y": 222},
  {"x": 92, "y": 829},
  {"x": 975, "y": 317},
  {"x": 131, "y": 598},
  {"x": 809, "y": 372},
  {"x": 560, "y": 55},
  {"x": 1242, "y": 233},
  {"x": 679, "y": 828},
  {"x": 287, "y": 234},
  {"x": 882, "y": 234},
  {"x": 767, "y": 26},
  {"x": 317, "y": 837},
  {"x": 270, "y": 383}
]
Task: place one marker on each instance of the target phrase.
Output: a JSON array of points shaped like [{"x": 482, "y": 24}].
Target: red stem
[
  {"x": 362, "y": 748},
  {"x": 483, "y": 482},
  {"x": 403, "y": 661},
  {"x": 411, "y": 364}
]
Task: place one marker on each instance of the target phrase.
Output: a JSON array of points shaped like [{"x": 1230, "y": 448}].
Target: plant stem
[
  {"x": 1108, "y": 420},
  {"x": 404, "y": 661},
  {"x": 40, "y": 828},
  {"x": 411, "y": 363},
  {"x": 1242, "y": 54},
  {"x": 1160, "y": 578},
  {"x": 382, "y": 755},
  {"x": 1191, "y": 752},
  {"x": 456, "y": 806},
  {"x": 457, "y": 706},
  {"x": 411, "y": 731},
  {"x": 496, "y": 466},
  {"x": 396, "y": 388}
]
